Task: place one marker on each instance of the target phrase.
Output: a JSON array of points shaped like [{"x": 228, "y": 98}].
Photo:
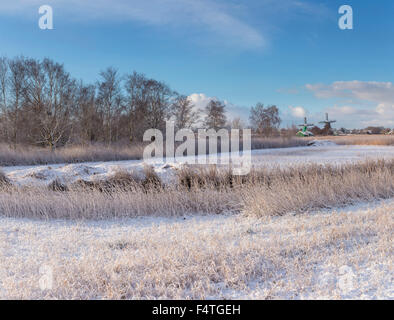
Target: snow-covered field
[
  {"x": 343, "y": 254},
  {"x": 335, "y": 254},
  {"x": 322, "y": 153}
]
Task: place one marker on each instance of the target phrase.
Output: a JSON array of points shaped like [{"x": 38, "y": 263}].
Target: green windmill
[{"x": 304, "y": 132}]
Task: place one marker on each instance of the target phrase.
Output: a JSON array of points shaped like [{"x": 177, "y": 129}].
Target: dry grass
[
  {"x": 94, "y": 204},
  {"x": 205, "y": 191},
  {"x": 278, "y": 142},
  {"x": 27, "y": 155},
  {"x": 121, "y": 181},
  {"x": 4, "y": 181},
  {"x": 368, "y": 140},
  {"x": 263, "y": 252},
  {"x": 320, "y": 187},
  {"x": 290, "y": 257}
]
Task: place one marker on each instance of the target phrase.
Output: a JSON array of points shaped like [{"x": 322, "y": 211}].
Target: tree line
[{"x": 42, "y": 104}]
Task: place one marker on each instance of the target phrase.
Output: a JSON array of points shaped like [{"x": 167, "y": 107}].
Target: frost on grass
[
  {"x": 331, "y": 254},
  {"x": 265, "y": 252},
  {"x": 204, "y": 191}
]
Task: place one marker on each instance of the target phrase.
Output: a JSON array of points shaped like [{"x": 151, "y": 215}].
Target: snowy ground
[
  {"x": 335, "y": 254},
  {"x": 322, "y": 153},
  {"x": 346, "y": 254}
]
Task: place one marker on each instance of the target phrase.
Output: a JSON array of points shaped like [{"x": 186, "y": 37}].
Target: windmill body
[
  {"x": 327, "y": 130},
  {"x": 304, "y": 132}
]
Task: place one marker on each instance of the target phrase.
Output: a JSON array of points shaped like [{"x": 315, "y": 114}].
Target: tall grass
[
  {"x": 278, "y": 142},
  {"x": 237, "y": 256},
  {"x": 368, "y": 140},
  {"x": 295, "y": 257},
  {"x": 27, "y": 155},
  {"x": 321, "y": 187},
  {"x": 206, "y": 191}
]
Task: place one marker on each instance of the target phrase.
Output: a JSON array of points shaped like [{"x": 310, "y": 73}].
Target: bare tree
[
  {"x": 215, "y": 115},
  {"x": 147, "y": 104},
  {"x": 110, "y": 99},
  {"x": 3, "y": 83},
  {"x": 87, "y": 116},
  {"x": 236, "y": 123},
  {"x": 49, "y": 98},
  {"x": 136, "y": 105},
  {"x": 41, "y": 104},
  {"x": 17, "y": 86},
  {"x": 159, "y": 95},
  {"x": 184, "y": 112},
  {"x": 4, "y": 73},
  {"x": 264, "y": 121}
]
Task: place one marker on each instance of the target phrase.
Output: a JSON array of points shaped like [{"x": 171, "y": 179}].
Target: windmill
[
  {"x": 304, "y": 132},
  {"x": 327, "y": 130}
]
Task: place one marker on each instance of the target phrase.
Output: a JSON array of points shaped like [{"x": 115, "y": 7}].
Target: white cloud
[
  {"x": 351, "y": 117},
  {"x": 376, "y": 99},
  {"x": 360, "y": 90},
  {"x": 297, "y": 112},
  {"x": 200, "y": 100},
  {"x": 386, "y": 110}
]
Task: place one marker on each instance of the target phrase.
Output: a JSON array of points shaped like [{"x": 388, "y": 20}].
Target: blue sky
[{"x": 290, "y": 52}]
